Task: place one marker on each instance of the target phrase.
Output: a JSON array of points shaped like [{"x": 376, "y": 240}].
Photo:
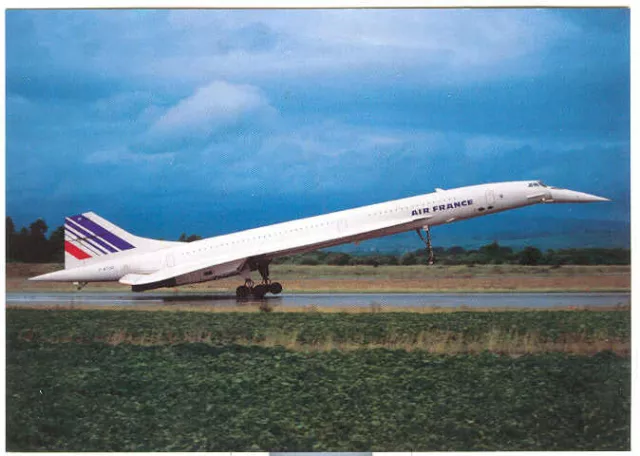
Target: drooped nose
[{"x": 561, "y": 195}]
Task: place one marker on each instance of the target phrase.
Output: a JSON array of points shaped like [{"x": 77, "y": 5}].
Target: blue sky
[{"x": 210, "y": 121}]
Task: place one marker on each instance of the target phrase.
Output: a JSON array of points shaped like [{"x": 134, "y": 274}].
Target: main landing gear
[
  {"x": 249, "y": 289},
  {"x": 427, "y": 242}
]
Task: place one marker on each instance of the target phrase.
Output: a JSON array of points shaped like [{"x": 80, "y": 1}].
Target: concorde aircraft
[{"x": 97, "y": 250}]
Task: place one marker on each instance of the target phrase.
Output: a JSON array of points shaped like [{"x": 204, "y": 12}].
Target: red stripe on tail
[{"x": 75, "y": 251}]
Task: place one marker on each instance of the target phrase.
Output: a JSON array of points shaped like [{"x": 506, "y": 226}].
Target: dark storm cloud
[{"x": 266, "y": 115}]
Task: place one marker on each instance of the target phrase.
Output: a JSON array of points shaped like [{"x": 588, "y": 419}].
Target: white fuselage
[
  {"x": 156, "y": 264},
  {"x": 302, "y": 235}
]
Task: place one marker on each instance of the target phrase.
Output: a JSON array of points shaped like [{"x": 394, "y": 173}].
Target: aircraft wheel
[
  {"x": 275, "y": 288},
  {"x": 242, "y": 292},
  {"x": 259, "y": 291}
]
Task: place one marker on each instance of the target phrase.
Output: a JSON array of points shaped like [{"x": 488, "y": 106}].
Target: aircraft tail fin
[{"x": 90, "y": 238}]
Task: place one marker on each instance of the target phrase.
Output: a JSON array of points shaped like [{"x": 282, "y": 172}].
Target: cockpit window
[{"x": 537, "y": 184}]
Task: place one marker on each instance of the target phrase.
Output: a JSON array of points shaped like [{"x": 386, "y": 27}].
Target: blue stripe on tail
[{"x": 101, "y": 232}]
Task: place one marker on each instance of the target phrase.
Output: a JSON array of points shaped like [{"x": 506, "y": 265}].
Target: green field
[
  {"x": 187, "y": 381},
  {"x": 296, "y": 271}
]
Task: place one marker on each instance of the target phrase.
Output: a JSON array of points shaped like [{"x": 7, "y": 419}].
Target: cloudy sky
[{"x": 209, "y": 121}]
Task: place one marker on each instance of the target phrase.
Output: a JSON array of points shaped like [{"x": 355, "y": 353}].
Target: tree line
[
  {"x": 492, "y": 253},
  {"x": 31, "y": 245}
]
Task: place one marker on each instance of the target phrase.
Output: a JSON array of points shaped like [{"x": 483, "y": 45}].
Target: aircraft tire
[
  {"x": 259, "y": 291},
  {"x": 242, "y": 292},
  {"x": 275, "y": 288}
]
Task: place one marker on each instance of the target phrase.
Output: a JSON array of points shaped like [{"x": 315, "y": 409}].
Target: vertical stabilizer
[{"x": 90, "y": 238}]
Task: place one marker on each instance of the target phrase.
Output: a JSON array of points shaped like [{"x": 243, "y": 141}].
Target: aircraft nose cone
[
  {"x": 570, "y": 196},
  {"x": 587, "y": 198}
]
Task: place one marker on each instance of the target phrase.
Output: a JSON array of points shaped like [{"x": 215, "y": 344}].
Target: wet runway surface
[{"x": 449, "y": 300}]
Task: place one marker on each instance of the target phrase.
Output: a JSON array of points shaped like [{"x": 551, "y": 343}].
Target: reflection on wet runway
[{"x": 448, "y": 300}]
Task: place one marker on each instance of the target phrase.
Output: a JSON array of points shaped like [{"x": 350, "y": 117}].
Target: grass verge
[
  {"x": 385, "y": 279},
  {"x": 460, "y": 332}
]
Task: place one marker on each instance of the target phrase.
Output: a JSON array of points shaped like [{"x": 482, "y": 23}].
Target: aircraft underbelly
[
  {"x": 218, "y": 271},
  {"x": 344, "y": 238}
]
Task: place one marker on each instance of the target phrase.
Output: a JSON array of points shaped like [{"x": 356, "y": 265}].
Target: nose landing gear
[{"x": 427, "y": 242}]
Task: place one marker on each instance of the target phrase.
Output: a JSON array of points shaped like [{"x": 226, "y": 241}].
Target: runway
[{"x": 444, "y": 300}]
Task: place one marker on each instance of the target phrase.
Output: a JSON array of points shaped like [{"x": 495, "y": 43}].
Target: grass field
[
  {"x": 187, "y": 381},
  {"x": 437, "y": 278}
]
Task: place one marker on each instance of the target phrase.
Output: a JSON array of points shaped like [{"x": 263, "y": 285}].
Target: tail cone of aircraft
[{"x": 561, "y": 195}]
